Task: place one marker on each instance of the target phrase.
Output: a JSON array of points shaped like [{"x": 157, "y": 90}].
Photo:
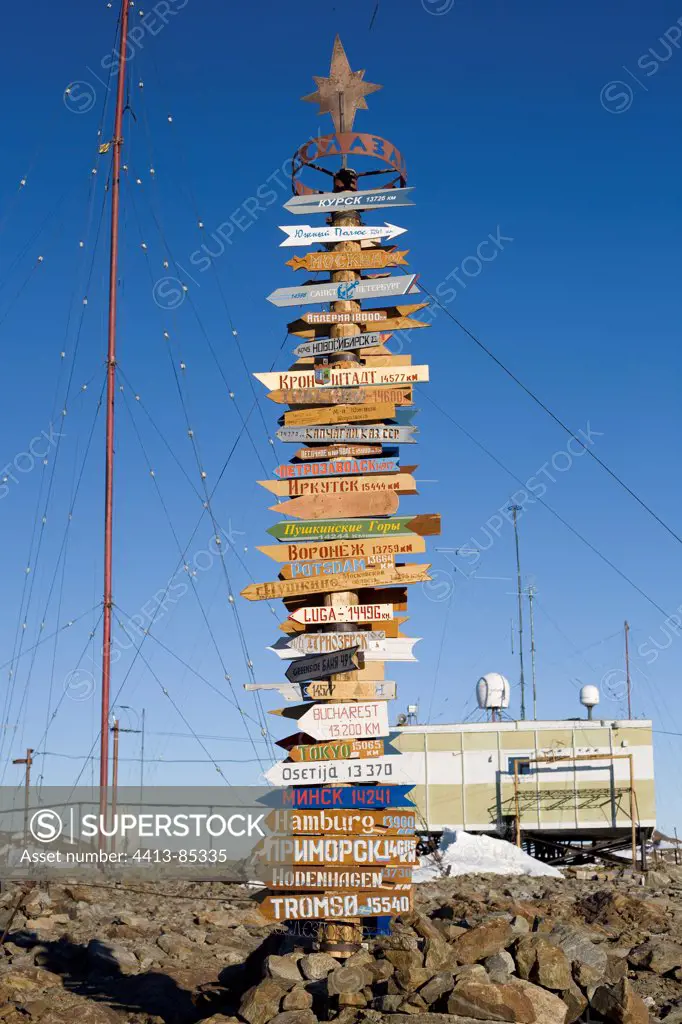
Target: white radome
[
  {"x": 589, "y": 696},
  {"x": 492, "y": 691}
]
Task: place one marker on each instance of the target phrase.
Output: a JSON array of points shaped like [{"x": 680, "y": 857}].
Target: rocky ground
[{"x": 603, "y": 946}]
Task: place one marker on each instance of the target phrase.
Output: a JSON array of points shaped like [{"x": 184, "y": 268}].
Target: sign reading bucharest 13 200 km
[{"x": 340, "y": 721}]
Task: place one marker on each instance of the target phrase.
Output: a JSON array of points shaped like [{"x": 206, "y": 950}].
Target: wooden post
[
  {"x": 28, "y": 761},
  {"x": 343, "y": 938},
  {"x": 633, "y": 803}
]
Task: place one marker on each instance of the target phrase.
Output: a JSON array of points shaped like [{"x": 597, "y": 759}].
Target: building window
[{"x": 523, "y": 765}]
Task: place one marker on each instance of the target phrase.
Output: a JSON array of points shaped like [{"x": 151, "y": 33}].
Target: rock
[
  {"x": 107, "y": 958},
  {"x": 441, "y": 984},
  {"x": 520, "y": 926},
  {"x": 316, "y": 966},
  {"x": 551, "y": 969},
  {"x": 411, "y": 978},
  {"x": 500, "y": 966},
  {"x": 471, "y": 972},
  {"x": 491, "y": 1002},
  {"x": 283, "y": 967},
  {"x": 588, "y": 960},
  {"x": 174, "y": 945},
  {"x": 380, "y": 971},
  {"x": 438, "y": 953},
  {"x": 404, "y": 959},
  {"x": 657, "y": 954},
  {"x": 483, "y": 941},
  {"x": 548, "y": 1008},
  {"x": 219, "y": 1018},
  {"x": 391, "y": 1004},
  {"x": 352, "y": 999},
  {"x": 398, "y": 941},
  {"x": 619, "y": 1004},
  {"x": 414, "y": 1004},
  {"x": 261, "y": 1003},
  {"x": 298, "y": 999},
  {"x": 618, "y": 910},
  {"x": 575, "y": 1002},
  {"x": 295, "y": 1017},
  {"x": 347, "y": 979}
]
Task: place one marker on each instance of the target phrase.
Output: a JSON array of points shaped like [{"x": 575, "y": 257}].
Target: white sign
[
  {"x": 372, "y": 769},
  {"x": 359, "y": 721},
  {"x": 335, "y": 291},
  {"x": 321, "y": 614},
  {"x": 304, "y": 234},
  {"x": 324, "y": 202},
  {"x": 390, "y": 649}
]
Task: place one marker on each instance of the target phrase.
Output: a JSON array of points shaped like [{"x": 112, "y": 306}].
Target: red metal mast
[{"x": 117, "y": 143}]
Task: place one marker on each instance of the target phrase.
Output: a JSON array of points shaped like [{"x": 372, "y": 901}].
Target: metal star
[{"x": 343, "y": 92}]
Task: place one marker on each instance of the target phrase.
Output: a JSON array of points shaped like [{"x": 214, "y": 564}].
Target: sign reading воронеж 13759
[{"x": 324, "y": 202}]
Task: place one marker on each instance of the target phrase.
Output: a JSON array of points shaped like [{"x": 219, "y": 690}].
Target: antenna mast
[
  {"x": 117, "y": 143},
  {"x": 627, "y": 668},
  {"x": 531, "y": 595},
  {"x": 515, "y": 509}
]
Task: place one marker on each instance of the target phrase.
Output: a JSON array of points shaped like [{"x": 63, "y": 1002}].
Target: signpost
[
  {"x": 376, "y": 769},
  {"x": 339, "y": 797},
  {"x": 336, "y": 879},
  {"x": 294, "y": 570},
  {"x": 369, "y": 259},
  {"x": 340, "y": 414},
  {"x": 327, "y": 614},
  {"x": 385, "y": 433},
  {"x": 325, "y": 291},
  {"x": 355, "y": 376},
  {"x": 341, "y": 466},
  {"x": 327, "y": 202},
  {"x": 425, "y": 525},
  {"x": 301, "y": 329},
  {"x": 398, "y": 649},
  {"x": 343, "y": 750},
  {"x": 400, "y": 483},
  {"x": 341, "y": 396},
  {"x": 327, "y": 506},
  {"x": 366, "y": 720},
  {"x": 336, "y": 849},
  {"x": 321, "y": 643},
  {"x": 380, "y": 576},
  {"x": 365, "y": 316},
  {"x": 340, "y": 451},
  {"x": 410, "y": 544},
  {"x": 320, "y": 666},
  {"x": 349, "y": 343},
  {"x": 335, "y": 906},
  {"x": 304, "y": 234}
]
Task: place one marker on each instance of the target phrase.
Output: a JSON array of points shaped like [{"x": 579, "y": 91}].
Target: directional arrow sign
[
  {"x": 360, "y": 721},
  {"x": 426, "y": 525},
  {"x": 408, "y": 545},
  {"x": 335, "y": 879},
  {"x": 341, "y": 797},
  {"x": 322, "y": 643},
  {"x": 337, "y": 849},
  {"x": 330, "y": 906},
  {"x": 378, "y": 822},
  {"x": 358, "y": 689},
  {"x": 347, "y": 377},
  {"x": 381, "y": 576},
  {"x": 340, "y": 451},
  {"x": 304, "y": 234},
  {"x": 340, "y": 414},
  {"x": 369, "y": 259},
  {"x": 295, "y": 570},
  {"x": 327, "y": 506},
  {"x": 385, "y": 433},
  {"x": 351, "y": 343},
  {"x": 338, "y": 467},
  {"x": 377, "y": 769},
  {"x": 335, "y": 291},
  {"x": 344, "y": 750},
  {"x": 301, "y": 329},
  {"x": 334, "y": 201},
  {"x": 326, "y": 614},
  {"x": 398, "y": 649},
  {"x": 341, "y": 396},
  {"x": 320, "y": 666}
]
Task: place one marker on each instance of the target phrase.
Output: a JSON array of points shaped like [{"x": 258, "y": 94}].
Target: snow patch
[{"x": 466, "y": 854}]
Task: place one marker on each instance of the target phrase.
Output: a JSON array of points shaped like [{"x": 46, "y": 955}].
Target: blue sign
[{"x": 344, "y": 797}]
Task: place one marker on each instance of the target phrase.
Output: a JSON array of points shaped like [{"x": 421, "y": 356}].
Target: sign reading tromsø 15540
[
  {"x": 335, "y": 906},
  {"x": 327, "y": 202},
  {"x": 325, "y": 291},
  {"x": 305, "y": 234}
]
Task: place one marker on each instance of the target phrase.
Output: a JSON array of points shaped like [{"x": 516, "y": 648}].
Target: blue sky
[{"x": 556, "y": 128}]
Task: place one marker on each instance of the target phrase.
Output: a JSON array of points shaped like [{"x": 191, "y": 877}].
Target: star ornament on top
[{"x": 343, "y": 92}]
